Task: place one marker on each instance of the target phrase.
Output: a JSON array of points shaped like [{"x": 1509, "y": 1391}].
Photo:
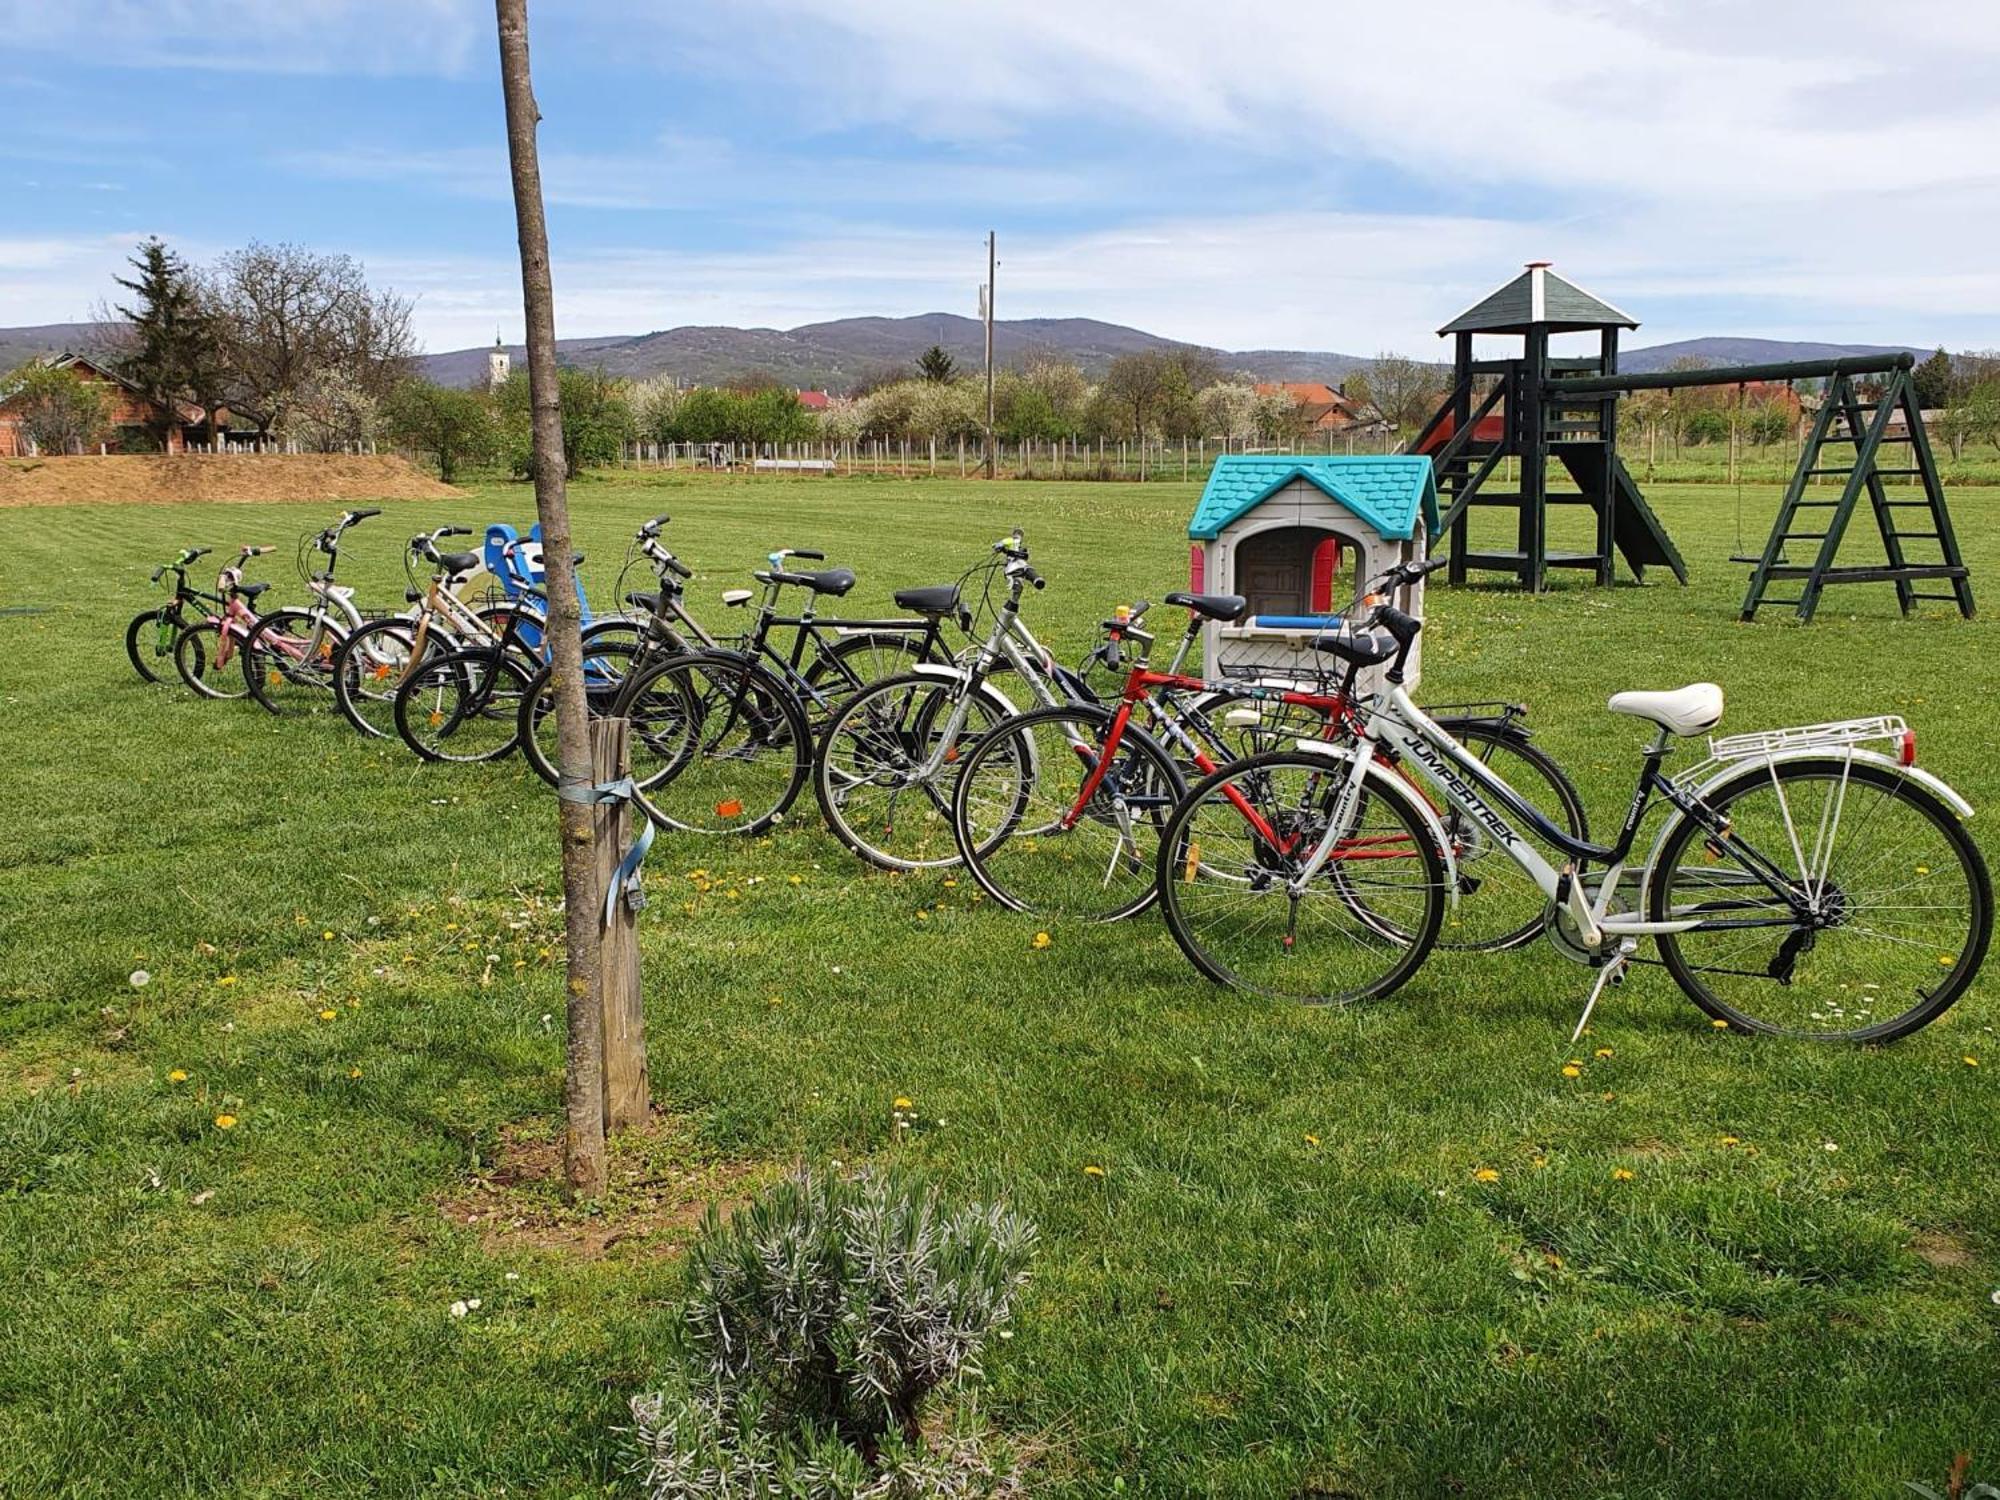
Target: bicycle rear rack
[{"x": 1766, "y": 742}]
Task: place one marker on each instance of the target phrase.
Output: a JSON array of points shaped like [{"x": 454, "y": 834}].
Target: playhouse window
[{"x": 1294, "y": 570}]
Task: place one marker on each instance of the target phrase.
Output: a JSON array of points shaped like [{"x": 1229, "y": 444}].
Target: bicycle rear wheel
[
  {"x": 719, "y": 745},
  {"x": 462, "y": 705},
  {"x": 1031, "y": 838},
  {"x": 195, "y": 651},
  {"x": 368, "y": 668},
  {"x": 1898, "y": 906},
  {"x": 288, "y": 662},
  {"x": 1241, "y": 837}
]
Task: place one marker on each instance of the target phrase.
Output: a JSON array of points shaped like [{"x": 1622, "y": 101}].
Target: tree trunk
[{"x": 583, "y": 1073}]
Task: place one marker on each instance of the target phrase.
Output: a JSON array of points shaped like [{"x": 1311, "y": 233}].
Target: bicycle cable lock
[{"x": 625, "y": 879}]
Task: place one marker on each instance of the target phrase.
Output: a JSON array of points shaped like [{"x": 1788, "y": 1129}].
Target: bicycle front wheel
[
  {"x": 718, "y": 744},
  {"x": 1051, "y": 821},
  {"x": 1839, "y": 902},
  {"x": 886, "y": 761},
  {"x": 462, "y": 705},
  {"x": 149, "y": 643},
  {"x": 607, "y": 661},
  {"x": 1237, "y": 846},
  {"x": 196, "y": 650},
  {"x": 288, "y": 662}
]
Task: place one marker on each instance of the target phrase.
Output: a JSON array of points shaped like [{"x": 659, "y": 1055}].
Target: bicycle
[
  {"x": 379, "y": 657},
  {"x": 883, "y": 767},
  {"x": 826, "y": 660},
  {"x": 1078, "y": 837},
  {"x": 1802, "y": 884},
  {"x": 228, "y": 623},
  {"x": 289, "y": 658},
  {"x": 151, "y": 634}
]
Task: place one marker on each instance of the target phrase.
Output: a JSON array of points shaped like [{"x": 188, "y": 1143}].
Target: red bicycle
[{"x": 1059, "y": 811}]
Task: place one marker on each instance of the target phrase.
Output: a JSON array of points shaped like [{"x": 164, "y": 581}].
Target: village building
[{"x": 131, "y": 417}]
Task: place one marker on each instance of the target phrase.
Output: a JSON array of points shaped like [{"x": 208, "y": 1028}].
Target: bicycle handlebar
[{"x": 652, "y": 528}]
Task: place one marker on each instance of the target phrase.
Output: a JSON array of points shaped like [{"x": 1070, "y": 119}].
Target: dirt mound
[{"x": 160, "y": 479}]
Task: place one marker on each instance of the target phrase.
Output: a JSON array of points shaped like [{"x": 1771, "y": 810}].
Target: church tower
[{"x": 497, "y": 364}]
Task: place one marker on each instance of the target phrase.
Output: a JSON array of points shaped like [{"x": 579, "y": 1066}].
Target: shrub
[
  {"x": 821, "y": 1321},
  {"x": 60, "y": 411}
]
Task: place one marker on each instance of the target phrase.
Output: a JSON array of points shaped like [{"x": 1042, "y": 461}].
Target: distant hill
[
  {"x": 1740, "y": 351},
  {"x": 839, "y": 355}
]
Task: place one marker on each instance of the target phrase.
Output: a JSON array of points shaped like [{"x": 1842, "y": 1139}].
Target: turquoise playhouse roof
[{"x": 1387, "y": 492}]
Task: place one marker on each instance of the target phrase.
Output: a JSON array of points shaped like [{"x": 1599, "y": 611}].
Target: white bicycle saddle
[{"x": 1694, "y": 709}]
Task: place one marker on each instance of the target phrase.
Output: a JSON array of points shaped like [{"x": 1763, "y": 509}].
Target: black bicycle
[{"x": 149, "y": 639}]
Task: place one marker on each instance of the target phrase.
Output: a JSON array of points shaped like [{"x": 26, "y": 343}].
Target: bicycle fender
[
  {"x": 1396, "y": 787},
  {"x": 1755, "y": 765},
  {"x": 940, "y": 673}
]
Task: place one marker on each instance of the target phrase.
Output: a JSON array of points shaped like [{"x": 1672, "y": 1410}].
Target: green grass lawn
[{"x": 1288, "y": 1280}]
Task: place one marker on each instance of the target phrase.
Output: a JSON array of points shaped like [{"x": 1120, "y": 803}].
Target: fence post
[{"x": 627, "y": 1097}]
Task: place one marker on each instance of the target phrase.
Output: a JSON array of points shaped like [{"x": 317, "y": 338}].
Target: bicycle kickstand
[{"x": 1613, "y": 972}]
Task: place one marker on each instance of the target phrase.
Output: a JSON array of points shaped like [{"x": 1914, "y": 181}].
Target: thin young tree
[{"x": 583, "y": 1073}]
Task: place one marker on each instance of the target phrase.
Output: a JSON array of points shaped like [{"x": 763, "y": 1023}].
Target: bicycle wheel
[
  {"x": 368, "y": 668},
  {"x": 149, "y": 642},
  {"x": 719, "y": 746},
  {"x": 883, "y": 770},
  {"x": 1237, "y": 841},
  {"x": 288, "y": 662},
  {"x": 195, "y": 652},
  {"x": 1500, "y": 907},
  {"x": 1899, "y": 903},
  {"x": 607, "y": 661},
  {"x": 462, "y": 705},
  {"x": 852, "y": 662},
  {"x": 1032, "y": 839}
]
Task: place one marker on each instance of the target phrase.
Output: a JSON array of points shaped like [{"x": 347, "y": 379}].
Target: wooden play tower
[{"x": 1553, "y": 414}]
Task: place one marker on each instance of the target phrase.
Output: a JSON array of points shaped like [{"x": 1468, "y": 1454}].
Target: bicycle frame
[{"x": 1462, "y": 780}]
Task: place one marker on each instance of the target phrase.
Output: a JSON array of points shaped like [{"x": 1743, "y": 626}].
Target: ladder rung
[
  {"x": 1918, "y": 536},
  {"x": 1814, "y": 504},
  {"x": 1906, "y": 505},
  {"x": 1901, "y": 473},
  {"x": 1937, "y": 598},
  {"x": 1805, "y": 536},
  {"x": 1815, "y": 473}
]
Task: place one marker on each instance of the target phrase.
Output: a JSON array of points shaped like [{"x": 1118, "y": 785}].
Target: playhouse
[{"x": 1296, "y": 535}]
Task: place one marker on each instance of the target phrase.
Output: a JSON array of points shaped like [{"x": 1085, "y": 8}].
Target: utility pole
[{"x": 986, "y": 306}]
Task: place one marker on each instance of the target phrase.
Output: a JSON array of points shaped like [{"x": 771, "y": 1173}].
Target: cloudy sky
[{"x": 1244, "y": 174}]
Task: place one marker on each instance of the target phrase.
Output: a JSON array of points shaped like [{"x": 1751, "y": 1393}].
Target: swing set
[{"x": 1538, "y": 408}]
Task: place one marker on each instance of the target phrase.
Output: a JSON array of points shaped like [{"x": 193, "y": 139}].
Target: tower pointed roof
[{"x": 1538, "y": 297}]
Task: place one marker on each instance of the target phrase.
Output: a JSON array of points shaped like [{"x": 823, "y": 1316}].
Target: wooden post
[{"x": 627, "y": 1098}]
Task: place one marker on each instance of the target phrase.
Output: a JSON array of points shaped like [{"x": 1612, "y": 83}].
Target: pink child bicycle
[{"x": 205, "y": 651}]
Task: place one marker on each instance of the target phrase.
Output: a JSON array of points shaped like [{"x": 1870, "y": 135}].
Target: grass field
[{"x": 1288, "y": 1280}]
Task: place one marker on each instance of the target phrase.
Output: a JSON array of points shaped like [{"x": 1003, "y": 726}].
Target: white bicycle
[{"x": 1807, "y": 882}]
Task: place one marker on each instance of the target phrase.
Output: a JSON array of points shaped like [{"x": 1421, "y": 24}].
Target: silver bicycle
[{"x": 1805, "y": 882}]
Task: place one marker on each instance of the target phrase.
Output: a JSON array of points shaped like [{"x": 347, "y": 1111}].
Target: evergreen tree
[
  {"x": 172, "y": 353},
  {"x": 936, "y": 365},
  {"x": 1934, "y": 381}
]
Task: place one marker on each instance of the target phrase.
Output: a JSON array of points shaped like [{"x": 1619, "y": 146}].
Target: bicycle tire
[
  {"x": 1254, "y": 955},
  {"x": 877, "y": 742},
  {"x": 150, "y": 638},
  {"x": 195, "y": 660},
  {"x": 734, "y": 748},
  {"x": 1851, "y": 986},
  {"x": 368, "y": 668},
  {"x": 288, "y": 686},
  {"x": 1011, "y": 805},
  {"x": 538, "y": 705},
  {"x": 462, "y": 706}
]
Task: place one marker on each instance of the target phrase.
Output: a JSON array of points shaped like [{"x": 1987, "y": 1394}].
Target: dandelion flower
[
  {"x": 225, "y": 1122},
  {"x": 1539, "y": 1162},
  {"x": 1486, "y": 1174},
  {"x": 353, "y": 1072},
  {"x": 326, "y": 936},
  {"x": 1830, "y": 1146},
  {"x": 1602, "y": 1052},
  {"x": 1719, "y": 1024},
  {"x": 1571, "y": 1070},
  {"x": 1970, "y": 1061},
  {"x": 459, "y": 1309},
  {"x": 140, "y": 979},
  {"x": 1042, "y": 940},
  {"x": 1621, "y": 1174},
  {"x": 1730, "y": 1140},
  {"x": 1093, "y": 1171},
  {"x": 796, "y": 879},
  {"x": 179, "y": 1075},
  {"x": 226, "y": 980},
  {"x": 901, "y": 1102},
  {"x": 1312, "y": 1140}
]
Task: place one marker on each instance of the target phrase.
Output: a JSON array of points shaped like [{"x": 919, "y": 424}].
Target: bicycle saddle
[
  {"x": 1363, "y": 650},
  {"x": 459, "y": 562},
  {"x": 1211, "y": 606},
  {"x": 649, "y": 602},
  {"x": 938, "y": 599},
  {"x": 252, "y": 590},
  {"x": 1694, "y": 709},
  {"x": 835, "y": 581}
]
